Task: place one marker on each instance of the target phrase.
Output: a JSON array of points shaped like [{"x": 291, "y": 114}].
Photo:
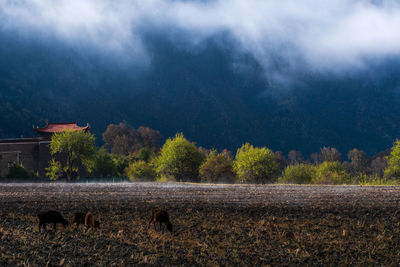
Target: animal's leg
[
  {"x": 154, "y": 223},
  {"x": 44, "y": 226},
  {"x": 55, "y": 226},
  {"x": 160, "y": 226},
  {"x": 40, "y": 224}
]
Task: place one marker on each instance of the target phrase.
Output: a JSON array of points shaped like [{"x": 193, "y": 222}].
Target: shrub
[
  {"x": 104, "y": 165},
  {"x": 364, "y": 179},
  {"x": 217, "y": 168},
  {"x": 254, "y": 165},
  {"x": 141, "y": 171},
  {"x": 298, "y": 174},
  {"x": 330, "y": 172},
  {"x": 145, "y": 154},
  {"x": 18, "y": 171},
  {"x": 121, "y": 162},
  {"x": 392, "y": 171},
  {"x": 179, "y": 159}
]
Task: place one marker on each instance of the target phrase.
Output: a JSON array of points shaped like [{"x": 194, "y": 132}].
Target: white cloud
[{"x": 321, "y": 35}]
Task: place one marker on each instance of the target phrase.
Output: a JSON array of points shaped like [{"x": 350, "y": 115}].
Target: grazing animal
[
  {"x": 90, "y": 221},
  {"x": 79, "y": 218},
  {"x": 160, "y": 216},
  {"x": 53, "y": 217}
]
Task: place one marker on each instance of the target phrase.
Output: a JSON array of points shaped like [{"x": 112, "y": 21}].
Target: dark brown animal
[
  {"x": 53, "y": 217},
  {"x": 90, "y": 222},
  {"x": 160, "y": 216},
  {"x": 79, "y": 218}
]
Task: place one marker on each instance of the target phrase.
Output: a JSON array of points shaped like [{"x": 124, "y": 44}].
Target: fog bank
[{"x": 299, "y": 34}]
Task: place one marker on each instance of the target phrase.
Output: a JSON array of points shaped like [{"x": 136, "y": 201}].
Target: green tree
[
  {"x": 179, "y": 159},
  {"x": 217, "y": 168},
  {"x": 145, "y": 154},
  {"x": 331, "y": 172},
  {"x": 121, "y": 162},
  {"x": 78, "y": 149},
  {"x": 392, "y": 171},
  {"x": 54, "y": 171},
  {"x": 298, "y": 174},
  {"x": 104, "y": 166},
  {"x": 141, "y": 171},
  {"x": 254, "y": 165}
]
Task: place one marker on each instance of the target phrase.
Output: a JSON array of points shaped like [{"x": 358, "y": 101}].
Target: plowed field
[{"x": 213, "y": 225}]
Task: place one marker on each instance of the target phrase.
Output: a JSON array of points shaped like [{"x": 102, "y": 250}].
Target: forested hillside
[{"x": 215, "y": 98}]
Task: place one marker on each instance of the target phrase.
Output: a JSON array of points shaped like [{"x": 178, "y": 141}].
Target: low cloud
[{"x": 308, "y": 34}]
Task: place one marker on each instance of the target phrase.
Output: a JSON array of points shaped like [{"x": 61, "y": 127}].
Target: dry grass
[{"x": 212, "y": 226}]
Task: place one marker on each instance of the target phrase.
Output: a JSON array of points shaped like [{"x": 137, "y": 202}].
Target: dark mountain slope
[{"x": 198, "y": 93}]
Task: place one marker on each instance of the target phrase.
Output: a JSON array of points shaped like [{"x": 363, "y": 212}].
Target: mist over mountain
[{"x": 299, "y": 77}]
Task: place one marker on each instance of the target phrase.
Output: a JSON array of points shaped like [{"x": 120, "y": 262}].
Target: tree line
[{"x": 137, "y": 155}]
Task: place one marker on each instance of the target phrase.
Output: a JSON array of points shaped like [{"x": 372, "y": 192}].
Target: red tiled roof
[{"x": 59, "y": 127}]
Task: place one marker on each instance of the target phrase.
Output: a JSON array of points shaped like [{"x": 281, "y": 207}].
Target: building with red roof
[{"x": 33, "y": 153}]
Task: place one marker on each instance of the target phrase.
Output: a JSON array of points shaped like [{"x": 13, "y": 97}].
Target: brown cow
[
  {"x": 90, "y": 221},
  {"x": 160, "y": 216},
  {"x": 53, "y": 217}
]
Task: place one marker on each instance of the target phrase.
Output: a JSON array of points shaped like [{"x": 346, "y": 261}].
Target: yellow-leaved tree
[
  {"x": 254, "y": 164},
  {"x": 75, "y": 148}
]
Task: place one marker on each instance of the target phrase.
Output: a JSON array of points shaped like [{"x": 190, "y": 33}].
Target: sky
[{"x": 319, "y": 36}]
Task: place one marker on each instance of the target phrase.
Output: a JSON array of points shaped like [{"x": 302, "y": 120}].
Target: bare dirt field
[{"x": 213, "y": 225}]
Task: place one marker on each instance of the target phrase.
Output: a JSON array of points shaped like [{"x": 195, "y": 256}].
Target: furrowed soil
[{"x": 213, "y": 225}]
